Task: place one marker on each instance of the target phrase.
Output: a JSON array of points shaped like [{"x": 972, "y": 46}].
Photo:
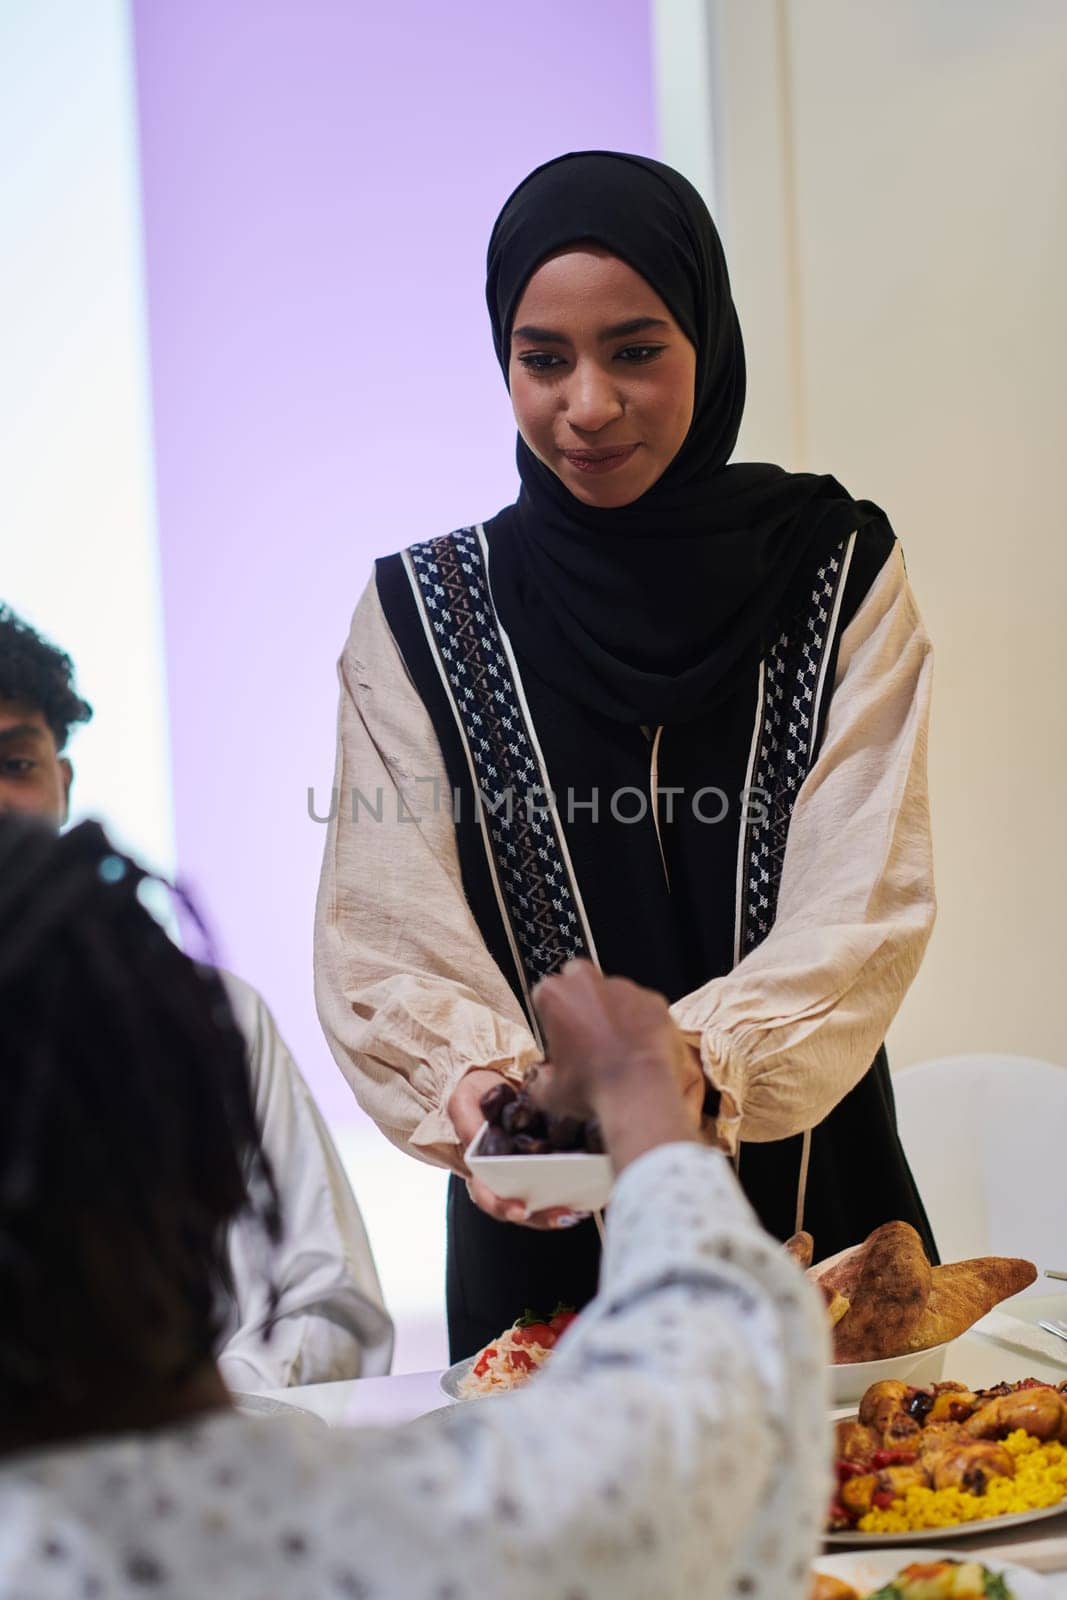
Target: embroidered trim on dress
[
  {"x": 527, "y": 854},
  {"x": 794, "y": 682}
]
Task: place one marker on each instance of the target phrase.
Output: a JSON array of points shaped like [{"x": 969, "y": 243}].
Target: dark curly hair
[
  {"x": 128, "y": 1139},
  {"x": 38, "y": 673}
]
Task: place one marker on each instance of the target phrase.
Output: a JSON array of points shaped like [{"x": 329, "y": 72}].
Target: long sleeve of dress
[
  {"x": 408, "y": 995},
  {"x": 676, "y": 1447},
  {"x": 330, "y": 1320},
  {"x": 793, "y": 1027}
]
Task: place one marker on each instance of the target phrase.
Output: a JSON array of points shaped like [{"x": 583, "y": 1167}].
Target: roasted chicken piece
[
  {"x": 969, "y": 1466},
  {"x": 857, "y": 1443},
  {"x": 901, "y": 1432},
  {"x": 896, "y": 1481},
  {"x": 856, "y": 1494},
  {"x": 939, "y": 1436},
  {"x": 883, "y": 1401},
  {"x": 982, "y": 1395},
  {"x": 1040, "y": 1412},
  {"x": 951, "y": 1403}
]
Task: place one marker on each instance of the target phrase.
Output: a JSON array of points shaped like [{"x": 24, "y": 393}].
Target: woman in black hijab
[{"x": 680, "y": 707}]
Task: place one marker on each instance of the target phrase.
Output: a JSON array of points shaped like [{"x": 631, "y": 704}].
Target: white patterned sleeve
[
  {"x": 793, "y": 1027},
  {"x": 677, "y": 1444}
]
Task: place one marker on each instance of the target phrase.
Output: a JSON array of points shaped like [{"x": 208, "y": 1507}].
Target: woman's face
[{"x": 602, "y": 377}]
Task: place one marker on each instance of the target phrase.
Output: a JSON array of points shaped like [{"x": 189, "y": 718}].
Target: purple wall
[{"x": 319, "y": 183}]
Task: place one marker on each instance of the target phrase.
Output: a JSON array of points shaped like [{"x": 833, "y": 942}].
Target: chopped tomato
[
  {"x": 519, "y": 1361},
  {"x": 481, "y": 1366},
  {"x": 848, "y": 1469},
  {"x": 882, "y": 1499},
  {"x": 535, "y": 1333}
]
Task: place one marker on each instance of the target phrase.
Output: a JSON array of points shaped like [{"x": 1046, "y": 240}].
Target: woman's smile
[
  {"x": 607, "y": 459},
  {"x": 601, "y": 376}
]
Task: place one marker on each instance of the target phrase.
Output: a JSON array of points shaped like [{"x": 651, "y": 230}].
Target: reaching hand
[
  {"x": 616, "y": 1052},
  {"x": 601, "y": 1030}
]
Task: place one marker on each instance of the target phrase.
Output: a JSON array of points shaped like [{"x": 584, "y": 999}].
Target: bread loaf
[
  {"x": 889, "y": 1296},
  {"x": 965, "y": 1291},
  {"x": 884, "y": 1299}
]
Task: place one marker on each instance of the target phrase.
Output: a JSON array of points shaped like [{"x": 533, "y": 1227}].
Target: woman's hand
[{"x": 464, "y": 1108}]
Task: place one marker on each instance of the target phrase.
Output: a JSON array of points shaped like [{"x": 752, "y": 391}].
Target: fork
[{"x": 1058, "y": 1328}]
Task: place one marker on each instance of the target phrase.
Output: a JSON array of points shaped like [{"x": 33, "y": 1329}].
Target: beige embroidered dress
[{"x": 411, "y": 997}]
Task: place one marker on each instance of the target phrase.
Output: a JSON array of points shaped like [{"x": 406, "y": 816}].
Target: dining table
[{"x": 1007, "y": 1345}]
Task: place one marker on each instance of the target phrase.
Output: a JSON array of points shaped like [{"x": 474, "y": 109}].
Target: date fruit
[{"x": 518, "y": 1126}]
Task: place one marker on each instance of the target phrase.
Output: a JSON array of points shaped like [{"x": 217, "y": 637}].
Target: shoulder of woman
[
  {"x": 875, "y": 551},
  {"x": 370, "y": 652},
  {"x": 386, "y": 596}
]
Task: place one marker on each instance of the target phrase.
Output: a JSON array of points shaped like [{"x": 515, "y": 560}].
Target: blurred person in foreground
[
  {"x": 330, "y": 1320},
  {"x": 674, "y": 1446}
]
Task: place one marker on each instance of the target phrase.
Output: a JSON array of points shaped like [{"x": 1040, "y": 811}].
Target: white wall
[
  {"x": 403, "y": 1206},
  {"x": 891, "y": 180},
  {"x": 77, "y": 525}
]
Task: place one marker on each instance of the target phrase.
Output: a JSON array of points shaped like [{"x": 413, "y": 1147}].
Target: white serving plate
[
  {"x": 450, "y": 1381},
  {"x": 850, "y": 1380},
  {"x": 453, "y": 1377},
  {"x": 991, "y": 1526},
  {"x": 574, "y": 1179},
  {"x": 868, "y": 1570},
  {"x": 262, "y": 1405}
]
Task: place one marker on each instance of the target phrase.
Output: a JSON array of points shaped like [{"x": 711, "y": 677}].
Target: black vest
[{"x": 658, "y": 852}]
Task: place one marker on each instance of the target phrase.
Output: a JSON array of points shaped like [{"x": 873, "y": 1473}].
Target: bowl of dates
[{"x": 524, "y": 1153}]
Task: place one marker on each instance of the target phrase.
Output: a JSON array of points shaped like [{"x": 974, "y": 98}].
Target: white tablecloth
[{"x": 982, "y": 1357}]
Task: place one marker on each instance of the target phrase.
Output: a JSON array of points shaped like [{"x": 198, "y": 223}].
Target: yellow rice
[{"x": 1040, "y": 1480}]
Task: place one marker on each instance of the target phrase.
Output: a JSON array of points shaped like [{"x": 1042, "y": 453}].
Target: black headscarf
[{"x": 651, "y": 612}]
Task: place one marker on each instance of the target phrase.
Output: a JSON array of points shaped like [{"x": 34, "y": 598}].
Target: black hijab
[{"x": 650, "y": 613}]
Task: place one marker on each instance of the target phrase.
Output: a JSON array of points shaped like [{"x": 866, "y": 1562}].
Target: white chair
[{"x": 986, "y": 1137}]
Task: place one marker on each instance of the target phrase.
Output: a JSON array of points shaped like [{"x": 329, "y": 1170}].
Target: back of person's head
[{"x": 128, "y": 1141}]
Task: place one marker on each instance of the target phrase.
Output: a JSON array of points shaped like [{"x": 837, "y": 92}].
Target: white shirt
[
  {"x": 675, "y": 1448},
  {"x": 331, "y": 1318}
]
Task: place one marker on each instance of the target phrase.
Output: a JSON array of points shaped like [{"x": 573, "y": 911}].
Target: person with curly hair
[
  {"x": 676, "y": 1445},
  {"x": 39, "y": 706},
  {"x": 329, "y": 1318}
]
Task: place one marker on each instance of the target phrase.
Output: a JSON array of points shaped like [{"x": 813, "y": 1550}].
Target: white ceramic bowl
[
  {"x": 571, "y": 1178},
  {"x": 850, "y": 1380}
]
